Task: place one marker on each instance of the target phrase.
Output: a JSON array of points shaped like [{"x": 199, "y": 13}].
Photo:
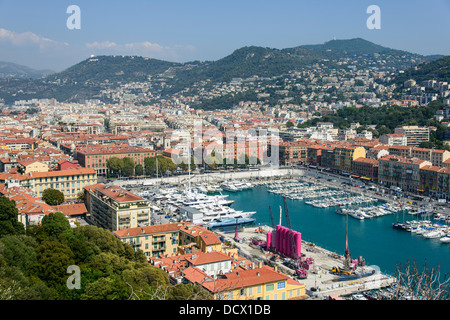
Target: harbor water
[{"x": 374, "y": 239}]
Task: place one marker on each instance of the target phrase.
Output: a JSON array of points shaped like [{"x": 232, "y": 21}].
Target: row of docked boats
[
  {"x": 368, "y": 212},
  {"x": 429, "y": 230},
  {"x": 341, "y": 201},
  {"x": 211, "y": 207},
  {"x": 236, "y": 185},
  {"x": 426, "y": 228},
  {"x": 356, "y": 205}
]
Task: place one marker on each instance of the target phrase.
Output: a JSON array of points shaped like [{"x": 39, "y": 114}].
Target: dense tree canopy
[
  {"x": 164, "y": 165},
  {"x": 53, "y": 197},
  {"x": 8, "y": 218},
  {"x": 34, "y": 266}
]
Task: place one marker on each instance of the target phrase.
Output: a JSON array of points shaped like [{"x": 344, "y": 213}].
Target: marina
[{"x": 384, "y": 232}]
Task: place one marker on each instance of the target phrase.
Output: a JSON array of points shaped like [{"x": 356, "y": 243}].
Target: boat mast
[
  {"x": 156, "y": 157},
  {"x": 347, "y": 251},
  {"x": 189, "y": 164},
  {"x": 280, "y": 216}
]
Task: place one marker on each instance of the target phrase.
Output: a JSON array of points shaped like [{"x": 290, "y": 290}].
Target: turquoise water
[{"x": 373, "y": 239}]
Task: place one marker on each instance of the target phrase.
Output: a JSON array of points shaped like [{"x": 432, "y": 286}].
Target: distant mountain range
[
  {"x": 13, "y": 70},
  {"x": 85, "y": 79}
]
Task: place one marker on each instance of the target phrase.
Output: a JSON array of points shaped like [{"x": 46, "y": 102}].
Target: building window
[
  {"x": 270, "y": 287},
  {"x": 281, "y": 285}
]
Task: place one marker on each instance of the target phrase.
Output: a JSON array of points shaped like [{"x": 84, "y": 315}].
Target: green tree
[
  {"x": 80, "y": 195},
  {"x": 127, "y": 168},
  {"x": 53, "y": 259},
  {"x": 164, "y": 165},
  {"x": 19, "y": 251},
  {"x": 104, "y": 241},
  {"x": 139, "y": 170},
  {"x": 115, "y": 165},
  {"x": 110, "y": 288},
  {"x": 8, "y": 218},
  {"x": 53, "y": 197},
  {"x": 54, "y": 224}
]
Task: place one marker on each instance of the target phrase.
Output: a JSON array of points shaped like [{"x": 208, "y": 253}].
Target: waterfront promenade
[{"x": 311, "y": 175}]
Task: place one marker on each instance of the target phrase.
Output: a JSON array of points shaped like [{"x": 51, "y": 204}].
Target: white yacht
[
  {"x": 445, "y": 239},
  {"x": 355, "y": 214},
  {"x": 229, "y": 187},
  {"x": 206, "y": 213}
]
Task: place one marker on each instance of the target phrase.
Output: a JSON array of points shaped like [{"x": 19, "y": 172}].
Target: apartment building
[
  {"x": 414, "y": 134},
  {"x": 292, "y": 153},
  {"x": 230, "y": 277},
  {"x": 27, "y": 166},
  {"x": 436, "y": 157},
  {"x": 114, "y": 208},
  {"x": 394, "y": 139},
  {"x": 20, "y": 144},
  {"x": 401, "y": 172},
  {"x": 401, "y": 151},
  {"x": 345, "y": 155},
  {"x": 314, "y": 155},
  {"x": 96, "y": 156},
  {"x": 260, "y": 283},
  {"x": 70, "y": 182},
  {"x": 170, "y": 239},
  {"x": 366, "y": 168},
  {"x": 327, "y": 159},
  {"x": 435, "y": 181}
]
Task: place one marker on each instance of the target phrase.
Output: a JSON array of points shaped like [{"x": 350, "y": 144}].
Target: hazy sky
[{"x": 34, "y": 33}]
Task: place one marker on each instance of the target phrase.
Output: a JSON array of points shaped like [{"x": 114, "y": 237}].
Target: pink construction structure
[{"x": 279, "y": 240}]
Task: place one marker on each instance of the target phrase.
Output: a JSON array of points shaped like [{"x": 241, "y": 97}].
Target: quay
[
  {"x": 265, "y": 174},
  {"x": 320, "y": 282}
]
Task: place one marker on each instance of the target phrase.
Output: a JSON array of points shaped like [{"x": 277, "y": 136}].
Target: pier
[{"x": 320, "y": 282}]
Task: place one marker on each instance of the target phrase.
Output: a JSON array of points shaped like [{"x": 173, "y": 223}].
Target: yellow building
[
  {"x": 345, "y": 155},
  {"x": 230, "y": 277},
  {"x": 170, "y": 239},
  {"x": 27, "y": 166},
  {"x": 70, "y": 182},
  {"x": 260, "y": 283}
]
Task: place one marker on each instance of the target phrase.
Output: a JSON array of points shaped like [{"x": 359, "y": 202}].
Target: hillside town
[{"x": 75, "y": 147}]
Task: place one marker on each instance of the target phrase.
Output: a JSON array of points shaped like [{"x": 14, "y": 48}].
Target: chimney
[{"x": 260, "y": 264}]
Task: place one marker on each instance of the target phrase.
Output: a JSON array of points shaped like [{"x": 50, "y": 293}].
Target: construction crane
[{"x": 271, "y": 217}]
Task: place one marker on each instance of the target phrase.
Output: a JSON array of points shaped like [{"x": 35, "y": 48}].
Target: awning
[
  {"x": 354, "y": 176},
  {"x": 366, "y": 178}
]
